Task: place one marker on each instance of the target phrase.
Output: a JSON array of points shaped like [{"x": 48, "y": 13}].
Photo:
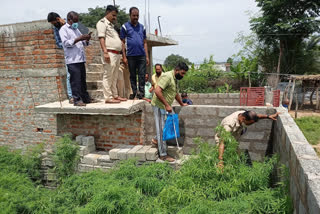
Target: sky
[{"x": 202, "y": 27}]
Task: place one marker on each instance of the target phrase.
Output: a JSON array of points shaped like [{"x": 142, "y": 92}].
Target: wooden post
[
  {"x": 249, "y": 79},
  {"x": 291, "y": 93},
  {"x": 303, "y": 94},
  {"x": 317, "y": 98},
  {"x": 297, "y": 104}
]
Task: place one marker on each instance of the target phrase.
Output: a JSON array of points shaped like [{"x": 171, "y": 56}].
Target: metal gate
[
  {"x": 276, "y": 98},
  {"x": 252, "y": 96}
]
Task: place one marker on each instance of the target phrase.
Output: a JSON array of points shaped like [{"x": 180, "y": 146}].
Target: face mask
[
  {"x": 178, "y": 76},
  {"x": 75, "y": 25}
]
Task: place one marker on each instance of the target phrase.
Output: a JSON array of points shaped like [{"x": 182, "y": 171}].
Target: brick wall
[
  {"x": 109, "y": 131},
  {"x": 200, "y": 121}
]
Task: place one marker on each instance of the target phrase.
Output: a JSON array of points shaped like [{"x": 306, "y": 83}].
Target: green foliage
[
  {"x": 310, "y": 126},
  {"x": 284, "y": 24},
  {"x": 93, "y": 15},
  {"x": 198, "y": 187},
  {"x": 172, "y": 60},
  {"x": 66, "y": 157}
]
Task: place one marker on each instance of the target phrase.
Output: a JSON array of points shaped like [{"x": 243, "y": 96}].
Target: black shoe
[
  {"x": 92, "y": 101},
  {"x": 80, "y": 103},
  {"x": 140, "y": 96},
  {"x": 132, "y": 96}
]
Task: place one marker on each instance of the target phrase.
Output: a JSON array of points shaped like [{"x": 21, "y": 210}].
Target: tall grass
[
  {"x": 198, "y": 187},
  {"x": 310, "y": 126}
]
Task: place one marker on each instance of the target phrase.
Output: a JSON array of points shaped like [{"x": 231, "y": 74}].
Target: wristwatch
[{"x": 268, "y": 116}]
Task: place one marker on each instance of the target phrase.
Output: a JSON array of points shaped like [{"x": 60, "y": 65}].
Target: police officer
[{"x": 111, "y": 47}]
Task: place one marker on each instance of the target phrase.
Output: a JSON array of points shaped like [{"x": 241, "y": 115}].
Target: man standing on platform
[
  {"x": 57, "y": 23},
  {"x": 166, "y": 92},
  {"x": 73, "y": 43},
  {"x": 111, "y": 47},
  {"x": 135, "y": 52}
]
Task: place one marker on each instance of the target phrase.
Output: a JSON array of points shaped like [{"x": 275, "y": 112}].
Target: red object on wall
[
  {"x": 276, "y": 98},
  {"x": 252, "y": 96}
]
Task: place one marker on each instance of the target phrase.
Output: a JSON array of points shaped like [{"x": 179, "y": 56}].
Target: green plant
[
  {"x": 310, "y": 126},
  {"x": 66, "y": 157}
]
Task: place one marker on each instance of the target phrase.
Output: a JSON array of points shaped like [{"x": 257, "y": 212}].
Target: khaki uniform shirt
[
  {"x": 169, "y": 86},
  {"x": 154, "y": 80},
  {"x": 231, "y": 124},
  {"x": 106, "y": 29}
]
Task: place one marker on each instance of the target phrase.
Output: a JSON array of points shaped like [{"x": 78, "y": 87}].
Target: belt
[{"x": 114, "y": 51}]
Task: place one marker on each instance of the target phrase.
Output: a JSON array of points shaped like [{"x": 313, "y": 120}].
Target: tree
[
  {"x": 283, "y": 25},
  {"x": 93, "y": 15},
  {"x": 172, "y": 60}
]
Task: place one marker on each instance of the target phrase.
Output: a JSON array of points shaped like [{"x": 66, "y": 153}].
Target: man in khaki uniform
[
  {"x": 237, "y": 123},
  {"x": 111, "y": 46}
]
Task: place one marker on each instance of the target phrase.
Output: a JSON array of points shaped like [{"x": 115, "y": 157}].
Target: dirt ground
[{"x": 305, "y": 113}]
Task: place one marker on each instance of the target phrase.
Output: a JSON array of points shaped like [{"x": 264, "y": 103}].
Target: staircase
[{"x": 94, "y": 80}]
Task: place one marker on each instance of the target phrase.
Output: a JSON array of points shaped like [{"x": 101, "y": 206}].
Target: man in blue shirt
[
  {"x": 135, "y": 51},
  {"x": 57, "y": 23},
  {"x": 73, "y": 43}
]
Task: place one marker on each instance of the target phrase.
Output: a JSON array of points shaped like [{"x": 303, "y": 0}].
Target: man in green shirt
[
  {"x": 147, "y": 87},
  {"x": 166, "y": 91}
]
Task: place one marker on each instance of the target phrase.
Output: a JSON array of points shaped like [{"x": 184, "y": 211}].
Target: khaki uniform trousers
[
  {"x": 124, "y": 85},
  {"x": 110, "y": 76}
]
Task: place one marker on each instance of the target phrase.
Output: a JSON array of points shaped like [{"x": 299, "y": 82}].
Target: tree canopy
[
  {"x": 282, "y": 29},
  {"x": 172, "y": 60},
  {"x": 93, "y": 15}
]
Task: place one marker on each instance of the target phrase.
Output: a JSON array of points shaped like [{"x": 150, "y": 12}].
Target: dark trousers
[
  {"x": 78, "y": 82},
  {"x": 137, "y": 65}
]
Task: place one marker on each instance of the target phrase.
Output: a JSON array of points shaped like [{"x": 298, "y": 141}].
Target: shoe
[
  {"x": 71, "y": 100},
  {"x": 92, "y": 100},
  {"x": 132, "y": 96},
  {"x": 80, "y": 103},
  {"x": 140, "y": 97},
  {"x": 112, "y": 101},
  {"x": 121, "y": 99},
  {"x": 167, "y": 158}
]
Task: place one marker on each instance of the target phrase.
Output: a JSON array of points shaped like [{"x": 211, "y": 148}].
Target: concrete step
[
  {"x": 95, "y": 68},
  {"x": 96, "y": 94},
  {"x": 94, "y": 76},
  {"x": 97, "y": 85}
]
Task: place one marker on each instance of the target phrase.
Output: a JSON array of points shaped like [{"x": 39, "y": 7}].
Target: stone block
[
  {"x": 141, "y": 153},
  {"x": 122, "y": 154},
  {"x": 91, "y": 148},
  {"x": 79, "y": 139},
  {"x": 206, "y": 110},
  {"x": 104, "y": 159},
  {"x": 113, "y": 153},
  {"x": 85, "y": 168},
  {"x": 205, "y": 132},
  {"x": 102, "y": 168},
  {"x": 83, "y": 151},
  {"x": 234, "y": 96},
  {"x": 174, "y": 152},
  {"x": 256, "y": 156},
  {"x": 302, "y": 209},
  {"x": 313, "y": 195},
  {"x": 152, "y": 154},
  {"x": 244, "y": 145},
  {"x": 262, "y": 146},
  {"x": 90, "y": 159},
  {"x": 253, "y": 136},
  {"x": 132, "y": 152},
  {"x": 88, "y": 141}
]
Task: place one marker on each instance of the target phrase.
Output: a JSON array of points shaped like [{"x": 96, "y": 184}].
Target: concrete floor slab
[{"x": 100, "y": 108}]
